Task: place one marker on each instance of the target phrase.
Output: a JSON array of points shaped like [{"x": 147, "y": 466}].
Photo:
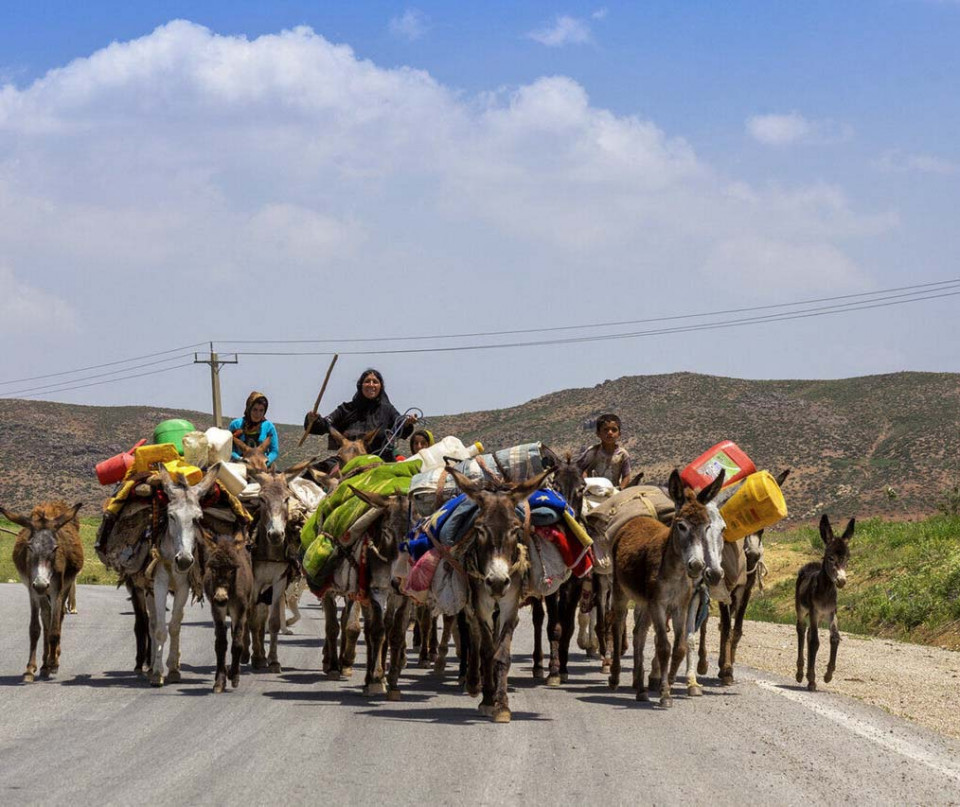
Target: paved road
[{"x": 98, "y": 735}]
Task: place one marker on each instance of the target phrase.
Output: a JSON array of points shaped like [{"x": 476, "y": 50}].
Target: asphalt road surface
[{"x": 97, "y": 734}]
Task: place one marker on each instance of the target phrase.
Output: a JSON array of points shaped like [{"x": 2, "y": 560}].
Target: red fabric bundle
[{"x": 577, "y": 557}]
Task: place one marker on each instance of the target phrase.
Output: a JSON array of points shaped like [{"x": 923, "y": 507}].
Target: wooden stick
[
  {"x": 11, "y": 532},
  {"x": 316, "y": 406}
]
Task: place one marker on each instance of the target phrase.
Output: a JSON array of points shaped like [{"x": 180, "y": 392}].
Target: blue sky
[{"x": 429, "y": 168}]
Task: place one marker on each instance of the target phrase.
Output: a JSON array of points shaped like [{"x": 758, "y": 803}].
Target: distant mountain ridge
[{"x": 875, "y": 445}]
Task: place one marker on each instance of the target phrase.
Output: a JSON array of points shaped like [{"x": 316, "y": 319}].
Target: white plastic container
[
  {"x": 220, "y": 442},
  {"x": 433, "y": 456},
  {"x": 196, "y": 449},
  {"x": 233, "y": 476}
]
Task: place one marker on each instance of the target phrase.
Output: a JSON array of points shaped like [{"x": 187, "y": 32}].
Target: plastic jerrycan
[
  {"x": 433, "y": 456},
  {"x": 724, "y": 456}
]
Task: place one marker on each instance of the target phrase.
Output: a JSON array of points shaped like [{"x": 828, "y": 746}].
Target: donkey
[
  {"x": 276, "y": 539},
  {"x": 655, "y": 566},
  {"x": 562, "y": 605},
  {"x": 175, "y": 545},
  {"x": 255, "y": 458},
  {"x": 816, "y": 599},
  {"x": 48, "y": 555},
  {"x": 494, "y": 556},
  {"x": 228, "y": 582},
  {"x": 732, "y": 613}
]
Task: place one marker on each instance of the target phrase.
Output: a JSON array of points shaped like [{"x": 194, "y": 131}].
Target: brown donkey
[
  {"x": 48, "y": 555},
  {"x": 655, "y": 566},
  {"x": 816, "y": 599},
  {"x": 228, "y": 583}
]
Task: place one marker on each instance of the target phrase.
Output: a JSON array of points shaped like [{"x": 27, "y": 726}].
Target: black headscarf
[{"x": 360, "y": 402}]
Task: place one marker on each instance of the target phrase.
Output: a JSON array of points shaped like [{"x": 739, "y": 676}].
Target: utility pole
[{"x": 216, "y": 362}]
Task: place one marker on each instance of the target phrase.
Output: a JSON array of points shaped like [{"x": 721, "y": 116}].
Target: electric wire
[{"x": 111, "y": 380}]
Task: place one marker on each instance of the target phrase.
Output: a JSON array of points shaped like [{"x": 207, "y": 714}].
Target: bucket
[
  {"x": 233, "y": 476},
  {"x": 111, "y": 471},
  {"x": 759, "y": 503},
  {"x": 172, "y": 431},
  {"x": 724, "y": 456}
]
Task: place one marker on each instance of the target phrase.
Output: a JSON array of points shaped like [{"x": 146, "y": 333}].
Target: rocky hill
[{"x": 878, "y": 445}]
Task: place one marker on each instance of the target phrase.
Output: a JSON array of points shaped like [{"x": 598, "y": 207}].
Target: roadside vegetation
[
  {"x": 94, "y": 571},
  {"x": 903, "y": 579}
]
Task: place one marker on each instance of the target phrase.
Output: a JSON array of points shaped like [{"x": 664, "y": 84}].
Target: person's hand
[{"x": 411, "y": 419}]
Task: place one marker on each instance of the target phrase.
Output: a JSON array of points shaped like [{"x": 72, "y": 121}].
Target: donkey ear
[
  {"x": 370, "y": 436},
  {"x": 338, "y": 438},
  {"x": 523, "y": 489},
  {"x": 550, "y": 454},
  {"x": 67, "y": 517},
  {"x": 205, "y": 485},
  {"x": 167, "y": 481},
  {"x": 783, "y": 477},
  {"x": 465, "y": 483},
  {"x": 826, "y": 531},
  {"x": 711, "y": 490},
  {"x": 16, "y": 518},
  {"x": 675, "y": 488},
  {"x": 848, "y": 532},
  {"x": 371, "y": 498}
]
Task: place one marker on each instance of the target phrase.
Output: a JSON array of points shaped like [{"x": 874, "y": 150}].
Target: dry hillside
[{"x": 848, "y": 441}]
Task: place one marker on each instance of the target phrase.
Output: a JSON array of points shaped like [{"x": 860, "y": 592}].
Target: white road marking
[{"x": 870, "y": 732}]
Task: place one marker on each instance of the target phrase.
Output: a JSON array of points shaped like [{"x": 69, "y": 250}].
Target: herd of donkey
[{"x": 656, "y": 568}]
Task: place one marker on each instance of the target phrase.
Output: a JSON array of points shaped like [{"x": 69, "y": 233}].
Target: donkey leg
[
  {"x": 813, "y": 644},
  {"x": 351, "y": 633},
  {"x": 801, "y": 635},
  {"x": 537, "y": 609},
  {"x": 220, "y": 646},
  {"x": 276, "y": 609},
  {"x": 398, "y": 639},
  {"x": 444, "y": 644},
  {"x": 693, "y": 685},
  {"x": 553, "y": 636},
  {"x": 373, "y": 632},
  {"x": 702, "y": 649},
  {"x": 637, "y": 683},
  {"x": 604, "y": 636},
  {"x": 331, "y": 641},
  {"x": 616, "y": 617},
  {"x": 161, "y": 584},
  {"x": 58, "y": 600},
  {"x": 258, "y": 653},
  {"x": 30, "y": 675},
  {"x": 738, "y": 622},
  {"x": 663, "y": 655},
  {"x": 45, "y": 616},
  {"x": 834, "y": 646},
  {"x": 641, "y": 629},
  {"x": 569, "y": 605},
  {"x": 726, "y": 661},
  {"x": 501, "y": 660},
  {"x": 176, "y": 619},
  {"x": 239, "y": 627}
]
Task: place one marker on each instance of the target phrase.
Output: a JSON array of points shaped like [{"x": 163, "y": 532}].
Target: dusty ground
[{"x": 913, "y": 681}]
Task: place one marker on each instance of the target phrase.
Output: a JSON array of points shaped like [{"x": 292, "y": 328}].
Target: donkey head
[
  {"x": 836, "y": 551},
  {"x": 497, "y": 529},
  {"x": 567, "y": 479},
  {"x": 223, "y": 561},
  {"x": 350, "y": 449},
  {"x": 183, "y": 515},
  {"x": 273, "y": 505},
  {"x": 691, "y": 520},
  {"x": 713, "y": 545},
  {"x": 394, "y": 522},
  {"x": 42, "y": 542}
]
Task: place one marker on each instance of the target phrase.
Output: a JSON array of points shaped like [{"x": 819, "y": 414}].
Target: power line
[
  {"x": 861, "y": 305},
  {"x": 105, "y": 364},
  {"x": 108, "y": 381},
  {"x": 917, "y": 287},
  {"x": 99, "y": 375}
]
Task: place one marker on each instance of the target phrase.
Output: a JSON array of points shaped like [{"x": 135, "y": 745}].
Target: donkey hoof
[
  {"x": 235, "y": 681},
  {"x": 812, "y": 686},
  {"x": 486, "y": 709},
  {"x": 218, "y": 687},
  {"x": 653, "y": 683},
  {"x": 666, "y": 701},
  {"x": 726, "y": 679},
  {"x": 44, "y": 672},
  {"x": 473, "y": 689},
  {"x": 156, "y": 679},
  {"x": 29, "y": 678},
  {"x": 605, "y": 667},
  {"x": 174, "y": 677},
  {"x": 538, "y": 673},
  {"x": 275, "y": 667},
  {"x": 702, "y": 668},
  {"x": 346, "y": 672},
  {"x": 439, "y": 666},
  {"x": 393, "y": 695},
  {"x": 502, "y": 715},
  {"x": 828, "y": 676},
  {"x": 613, "y": 683},
  {"x": 799, "y": 676},
  {"x": 642, "y": 696},
  {"x": 245, "y": 657},
  {"x": 259, "y": 664},
  {"x": 553, "y": 680},
  {"x": 694, "y": 690}
]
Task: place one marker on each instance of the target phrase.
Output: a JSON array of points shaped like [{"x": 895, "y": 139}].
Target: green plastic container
[{"x": 172, "y": 431}]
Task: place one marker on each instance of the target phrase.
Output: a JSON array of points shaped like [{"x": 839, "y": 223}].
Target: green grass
[
  {"x": 93, "y": 570},
  {"x": 903, "y": 579}
]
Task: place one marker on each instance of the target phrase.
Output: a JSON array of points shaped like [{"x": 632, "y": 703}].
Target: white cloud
[
  {"x": 565, "y": 30},
  {"x": 782, "y": 130},
  {"x": 899, "y": 162},
  {"x": 411, "y": 25},
  {"x": 27, "y": 311},
  {"x": 600, "y": 13},
  {"x": 286, "y": 177}
]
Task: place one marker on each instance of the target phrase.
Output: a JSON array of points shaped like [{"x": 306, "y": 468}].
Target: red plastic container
[
  {"x": 726, "y": 456},
  {"x": 111, "y": 471}
]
